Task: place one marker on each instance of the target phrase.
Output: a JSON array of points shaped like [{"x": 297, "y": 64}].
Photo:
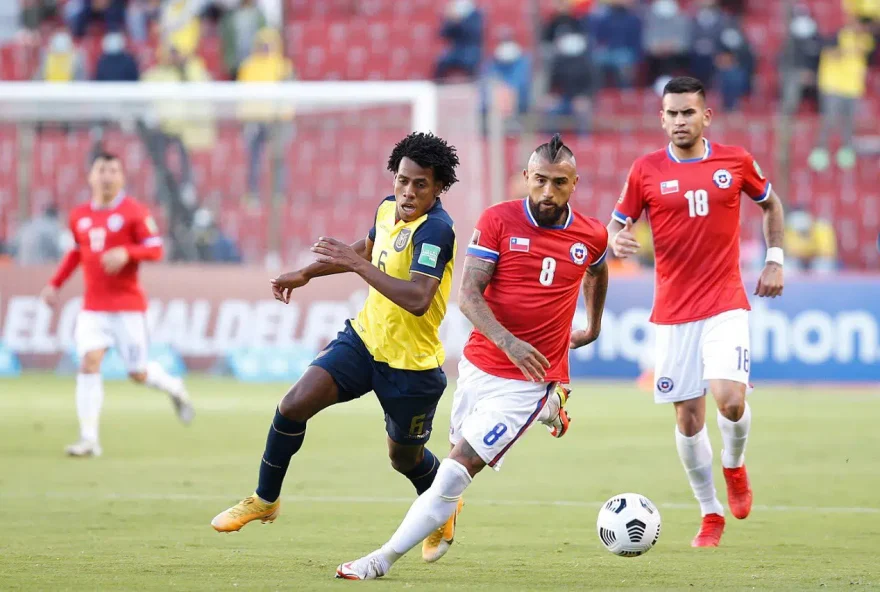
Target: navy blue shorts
[{"x": 408, "y": 397}]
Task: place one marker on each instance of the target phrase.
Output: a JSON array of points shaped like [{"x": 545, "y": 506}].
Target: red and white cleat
[
  {"x": 710, "y": 531},
  {"x": 371, "y": 567},
  {"x": 559, "y": 424},
  {"x": 739, "y": 491}
]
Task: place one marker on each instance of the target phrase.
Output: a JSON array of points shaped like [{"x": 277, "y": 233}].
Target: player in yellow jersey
[{"x": 393, "y": 345}]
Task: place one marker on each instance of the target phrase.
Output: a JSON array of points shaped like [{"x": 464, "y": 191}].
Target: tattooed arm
[{"x": 477, "y": 274}]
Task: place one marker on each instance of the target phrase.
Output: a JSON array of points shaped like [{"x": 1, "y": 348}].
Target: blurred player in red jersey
[
  {"x": 525, "y": 264},
  {"x": 112, "y": 234},
  {"x": 690, "y": 191}
]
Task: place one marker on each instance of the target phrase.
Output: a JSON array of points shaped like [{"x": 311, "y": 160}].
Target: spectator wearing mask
[
  {"x": 616, "y": 36},
  {"x": 182, "y": 126},
  {"x": 507, "y": 79},
  {"x": 573, "y": 77},
  {"x": 810, "y": 244},
  {"x": 735, "y": 65},
  {"x": 463, "y": 28},
  {"x": 667, "y": 39},
  {"x": 115, "y": 63},
  {"x": 266, "y": 122},
  {"x": 843, "y": 71},
  {"x": 238, "y": 29},
  {"x": 61, "y": 61},
  {"x": 708, "y": 23},
  {"x": 212, "y": 245},
  {"x": 39, "y": 239},
  {"x": 563, "y": 21},
  {"x": 799, "y": 63},
  {"x": 80, "y": 13}
]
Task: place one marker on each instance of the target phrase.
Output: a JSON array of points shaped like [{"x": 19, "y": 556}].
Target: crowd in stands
[{"x": 583, "y": 46}]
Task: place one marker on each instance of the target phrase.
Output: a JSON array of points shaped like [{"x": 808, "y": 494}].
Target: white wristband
[{"x": 775, "y": 255}]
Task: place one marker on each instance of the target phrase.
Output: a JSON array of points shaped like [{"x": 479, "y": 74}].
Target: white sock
[
  {"x": 695, "y": 453},
  {"x": 89, "y": 399},
  {"x": 430, "y": 511},
  {"x": 550, "y": 409},
  {"x": 157, "y": 378},
  {"x": 734, "y": 435}
]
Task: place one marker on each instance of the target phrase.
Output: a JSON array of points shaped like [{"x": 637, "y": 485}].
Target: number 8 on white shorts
[{"x": 491, "y": 413}]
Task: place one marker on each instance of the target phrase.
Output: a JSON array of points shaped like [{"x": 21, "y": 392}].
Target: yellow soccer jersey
[{"x": 427, "y": 246}]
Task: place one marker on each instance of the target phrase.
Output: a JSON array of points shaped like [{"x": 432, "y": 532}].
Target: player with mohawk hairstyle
[{"x": 525, "y": 263}]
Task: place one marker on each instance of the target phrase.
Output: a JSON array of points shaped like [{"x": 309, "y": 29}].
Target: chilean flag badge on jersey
[
  {"x": 668, "y": 187},
  {"x": 519, "y": 244}
]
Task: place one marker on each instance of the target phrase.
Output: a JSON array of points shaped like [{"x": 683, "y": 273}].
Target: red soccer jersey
[
  {"x": 124, "y": 223},
  {"x": 693, "y": 209},
  {"x": 534, "y": 290}
]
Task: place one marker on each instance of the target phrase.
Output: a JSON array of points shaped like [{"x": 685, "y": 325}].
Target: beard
[{"x": 545, "y": 216}]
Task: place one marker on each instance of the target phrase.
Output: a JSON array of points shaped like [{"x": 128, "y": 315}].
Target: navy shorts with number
[{"x": 408, "y": 397}]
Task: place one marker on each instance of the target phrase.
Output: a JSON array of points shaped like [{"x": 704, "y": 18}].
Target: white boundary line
[{"x": 135, "y": 497}]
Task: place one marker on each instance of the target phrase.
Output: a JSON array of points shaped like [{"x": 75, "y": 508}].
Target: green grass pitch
[{"x": 138, "y": 517}]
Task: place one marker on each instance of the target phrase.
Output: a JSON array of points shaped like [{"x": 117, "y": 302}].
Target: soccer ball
[{"x": 628, "y": 524}]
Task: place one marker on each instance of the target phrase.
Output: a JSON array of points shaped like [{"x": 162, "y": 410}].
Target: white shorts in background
[
  {"x": 691, "y": 354},
  {"x": 491, "y": 413},
  {"x": 127, "y": 331}
]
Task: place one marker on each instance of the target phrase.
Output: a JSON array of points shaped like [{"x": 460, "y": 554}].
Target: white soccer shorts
[
  {"x": 689, "y": 355},
  {"x": 491, "y": 413},
  {"x": 125, "y": 330}
]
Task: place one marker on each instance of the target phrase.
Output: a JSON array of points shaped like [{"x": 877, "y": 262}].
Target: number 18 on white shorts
[
  {"x": 689, "y": 355},
  {"x": 491, "y": 413}
]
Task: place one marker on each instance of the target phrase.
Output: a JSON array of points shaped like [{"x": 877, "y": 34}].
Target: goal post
[
  {"x": 273, "y": 165},
  {"x": 87, "y": 101}
]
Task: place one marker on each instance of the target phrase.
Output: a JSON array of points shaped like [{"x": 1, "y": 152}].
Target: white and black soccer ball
[{"x": 628, "y": 524}]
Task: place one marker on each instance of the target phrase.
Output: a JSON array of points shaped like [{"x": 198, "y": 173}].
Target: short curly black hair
[{"x": 429, "y": 152}]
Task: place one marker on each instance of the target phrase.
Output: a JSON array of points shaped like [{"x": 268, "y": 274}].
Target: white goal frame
[{"x": 40, "y": 101}]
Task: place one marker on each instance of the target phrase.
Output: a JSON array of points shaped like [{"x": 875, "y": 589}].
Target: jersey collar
[
  {"x": 533, "y": 222},
  {"x": 111, "y": 206},
  {"x": 706, "y": 153}
]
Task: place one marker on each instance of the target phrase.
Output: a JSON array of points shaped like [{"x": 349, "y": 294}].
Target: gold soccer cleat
[
  {"x": 248, "y": 509},
  {"x": 437, "y": 544}
]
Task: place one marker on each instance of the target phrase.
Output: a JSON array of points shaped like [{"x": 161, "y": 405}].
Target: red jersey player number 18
[
  {"x": 112, "y": 234},
  {"x": 691, "y": 190}
]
